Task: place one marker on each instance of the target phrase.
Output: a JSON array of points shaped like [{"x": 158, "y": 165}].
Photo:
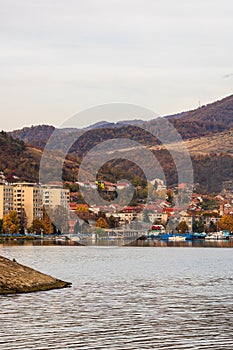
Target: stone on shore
[{"x": 17, "y": 278}]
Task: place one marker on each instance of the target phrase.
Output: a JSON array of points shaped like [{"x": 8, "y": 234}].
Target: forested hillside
[
  {"x": 207, "y": 131},
  {"x": 207, "y": 120},
  {"x": 18, "y": 160},
  {"x": 36, "y": 136}
]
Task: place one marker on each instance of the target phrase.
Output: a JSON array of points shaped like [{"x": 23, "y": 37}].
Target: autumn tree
[
  {"x": 102, "y": 223},
  {"x": 82, "y": 209},
  {"x": 170, "y": 196},
  {"x": 212, "y": 227},
  {"x": 182, "y": 227},
  {"x": 162, "y": 194},
  {"x": 198, "y": 225},
  {"x": 47, "y": 222},
  {"x": 226, "y": 223},
  {"x": 113, "y": 222},
  {"x": 37, "y": 226},
  {"x": 11, "y": 222}
]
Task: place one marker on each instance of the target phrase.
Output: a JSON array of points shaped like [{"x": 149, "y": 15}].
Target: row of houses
[
  {"x": 30, "y": 198},
  {"x": 161, "y": 212}
]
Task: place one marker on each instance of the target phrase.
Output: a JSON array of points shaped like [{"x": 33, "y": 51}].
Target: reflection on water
[
  {"x": 122, "y": 242},
  {"x": 123, "y": 298},
  {"x": 189, "y": 243}
]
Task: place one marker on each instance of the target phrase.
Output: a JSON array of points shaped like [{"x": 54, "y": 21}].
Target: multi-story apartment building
[
  {"x": 24, "y": 198},
  {"x": 6, "y": 199},
  {"x": 27, "y": 199},
  {"x": 53, "y": 196}
]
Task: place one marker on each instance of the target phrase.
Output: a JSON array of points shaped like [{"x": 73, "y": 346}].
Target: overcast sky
[{"x": 58, "y": 57}]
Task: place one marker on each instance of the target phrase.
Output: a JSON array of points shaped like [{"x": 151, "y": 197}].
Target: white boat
[
  {"x": 217, "y": 236},
  {"x": 61, "y": 238},
  {"x": 73, "y": 237},
  {"x": 177, "y": 238}
]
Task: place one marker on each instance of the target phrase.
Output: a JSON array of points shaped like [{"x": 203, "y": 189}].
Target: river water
[{"x": 123, "y": 298}]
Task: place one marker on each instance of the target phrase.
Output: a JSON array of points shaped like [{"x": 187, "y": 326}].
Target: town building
[
  {"x": 157, "y": 216},
  {"x": 6, "y": 199},
  {"x": 27, "y": 200},
  {"x": 187, "y": 219},
  {"x": 208, "y": 219},
  {"x": 53, "y": 195},
  {"x": 24, "y": 198}
]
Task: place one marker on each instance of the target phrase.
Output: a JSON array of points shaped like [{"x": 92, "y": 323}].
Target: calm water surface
[{"x": 123, "y": 298}]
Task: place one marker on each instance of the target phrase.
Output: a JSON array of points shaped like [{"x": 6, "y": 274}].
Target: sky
[{"x": 60, "y": 57}]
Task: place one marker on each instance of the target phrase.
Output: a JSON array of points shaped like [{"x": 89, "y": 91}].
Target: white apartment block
[
  {"x": 30, "y": 199},
  {"x": 6, "y": 199},
  {"x": 27, "y": 197},
  {"x": 21, "y": 197},
  {"x": 125, "y": 218},
  {"x": 53, "y": 195}
]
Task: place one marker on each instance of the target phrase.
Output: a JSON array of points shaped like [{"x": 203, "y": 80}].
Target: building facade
[
  {"x": 6, "y": 199},
  {"x": 53, "y": 196},
  {"x": 28, "y": 199}
]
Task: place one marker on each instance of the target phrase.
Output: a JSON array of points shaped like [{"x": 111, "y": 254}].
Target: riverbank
[{"x": 17, "y": 278}]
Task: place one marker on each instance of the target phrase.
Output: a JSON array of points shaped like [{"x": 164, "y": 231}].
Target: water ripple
[{"x": 123, "y": 299}]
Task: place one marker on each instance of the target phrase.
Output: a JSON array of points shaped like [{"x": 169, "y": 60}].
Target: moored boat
[
  {"x": 199, "y": 235},
  {"x": 221, "y": 235},
  {"x": 177, "y": 237}
]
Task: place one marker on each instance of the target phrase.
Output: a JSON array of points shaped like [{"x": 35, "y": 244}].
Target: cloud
[
  {"x": 157, "y": 53},
  {"x": 228, "y": 76}
]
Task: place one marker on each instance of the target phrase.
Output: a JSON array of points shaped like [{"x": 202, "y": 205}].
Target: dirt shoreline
[{"x": 17, "y": 278}]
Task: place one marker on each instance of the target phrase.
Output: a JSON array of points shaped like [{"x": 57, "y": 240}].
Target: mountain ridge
[
  {"x": 206, "y": 131},
  {"x": 205, "y": 120}
]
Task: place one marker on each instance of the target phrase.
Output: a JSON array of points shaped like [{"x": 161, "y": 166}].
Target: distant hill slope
[
  {"x": 17, "y": 159},
  {"x": 218, "y": 111},
  {"x": 35, "y": 136},
  {"x": 207, "y": 132},
  {"x": 211, "y": 170},
  {"x": 206, "y": 120},
  {"x": 218, "y": 143}
]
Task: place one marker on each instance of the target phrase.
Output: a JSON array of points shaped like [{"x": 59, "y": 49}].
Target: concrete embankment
[{"x": 17, "y": 278}]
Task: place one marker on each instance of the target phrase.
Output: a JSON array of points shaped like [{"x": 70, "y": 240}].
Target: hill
[
  {"x": 217, "y": 143},
  {"x": 19, "y": 160},
  {"x": 206, "y": 120},
  {"x": 35, "y": 136},
  {"x": 207, "y": 132}
]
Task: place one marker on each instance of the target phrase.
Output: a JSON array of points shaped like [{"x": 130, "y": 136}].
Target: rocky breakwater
[{"x": 17, "y": 278}]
